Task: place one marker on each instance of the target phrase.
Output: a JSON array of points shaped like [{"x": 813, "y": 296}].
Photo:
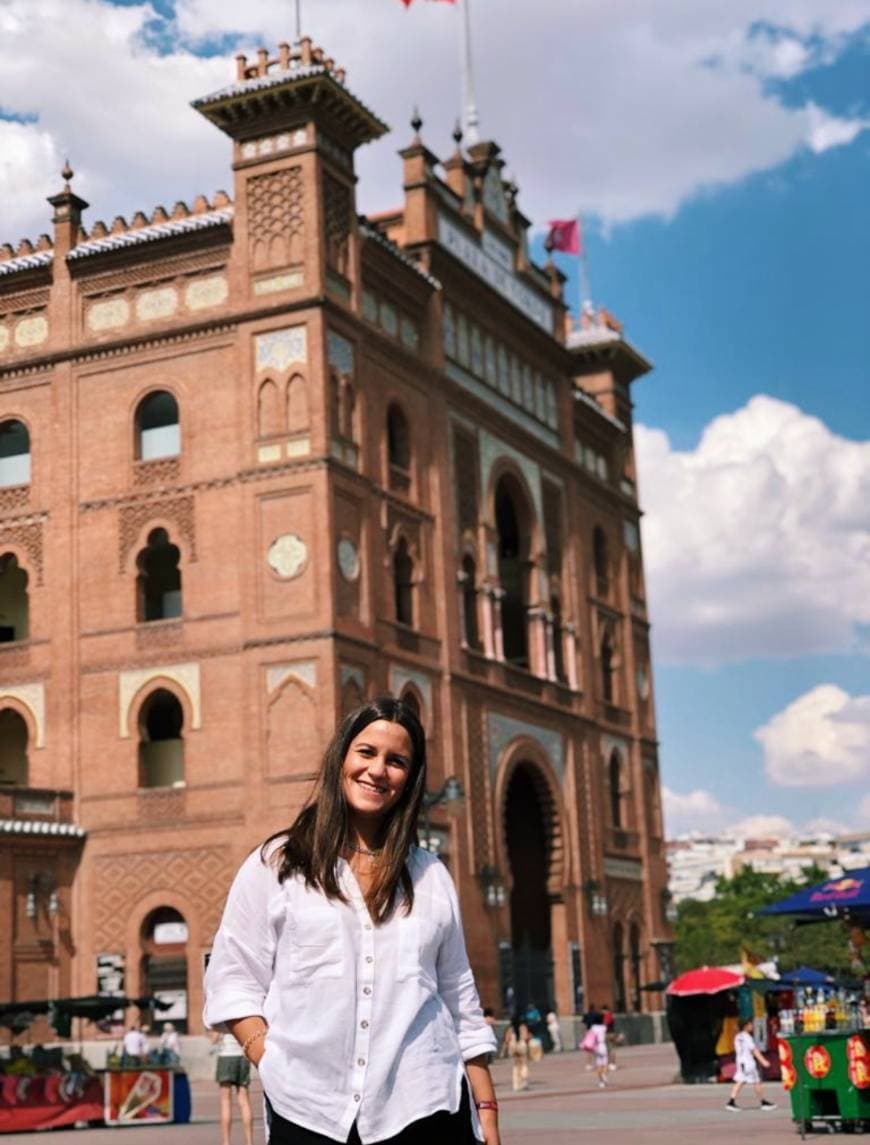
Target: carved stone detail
[
  {"x": 119, "y": 882},
  {"x": 276, "y": 226},
  {"x": 13, "y": 497},
  {"x": 337, "y": 214},
  {"x": 163, "y": 471},
  {"x": 178, "y": 510},
  {"x": 29, "y": 537}
]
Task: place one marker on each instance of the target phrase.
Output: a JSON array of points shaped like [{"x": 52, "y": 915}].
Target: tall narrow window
[
  {"x": 14, "y": 454},
  {"x": 403, "y": 584},
  {"x": 159, "y": 580},
  {"x": 614, "y": 781},
  {"x": 512, "y": 575},
  {"x": 13, "y": 749},
  {"x": 607, "y": 668},
  {"x": 469, "y": 602},
  {"x": 270, "y": 421},
  {"x": 410, "y": 699},
  {"x": 599, "y": 555},
  {"x": 398, "y": 439},
  {"x": 158, "y": 433},
  {"x": 161, "y": 745},
  {"x": 635, "y": 960},
  {"x": 558, "y": 640},
  {"x": 14, "y": 606},
  {"x": 618, "y": 969}
]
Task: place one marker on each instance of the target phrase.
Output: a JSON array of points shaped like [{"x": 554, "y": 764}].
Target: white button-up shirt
[{"x": 367, "y": 1023}]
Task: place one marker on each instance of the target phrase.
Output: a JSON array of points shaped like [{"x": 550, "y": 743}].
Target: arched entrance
[
  {"x": 164, "y": 964},
  {"x": 528, "y": 827}
]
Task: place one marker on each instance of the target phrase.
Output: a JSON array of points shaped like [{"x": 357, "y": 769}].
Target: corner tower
[{"x": 295, "y": 128}]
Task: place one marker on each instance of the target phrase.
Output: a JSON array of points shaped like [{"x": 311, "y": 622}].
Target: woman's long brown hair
[{"x": 312, "y": 845}]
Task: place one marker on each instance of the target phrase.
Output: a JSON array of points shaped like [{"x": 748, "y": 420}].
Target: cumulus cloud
[
  {"x": 821, "y": 738},
  {"x": 762, "y": 827},
  {"x": 639, "y": 107},
  {"x": 757, "y": 541},
  {"x": 696, "y": 810}
]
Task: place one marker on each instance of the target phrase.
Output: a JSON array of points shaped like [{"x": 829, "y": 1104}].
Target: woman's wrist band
[
  {"x": 486, "y": 1105},
  {"x": 253, "y": 1038}
]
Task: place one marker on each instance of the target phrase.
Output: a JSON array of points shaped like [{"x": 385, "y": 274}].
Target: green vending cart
[{"x": 827, "y": 1074}]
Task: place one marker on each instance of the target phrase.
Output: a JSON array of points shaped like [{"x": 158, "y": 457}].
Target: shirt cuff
[
  {"x": 478, "y": 1049},
  {"x": 231, "y": 1008}
]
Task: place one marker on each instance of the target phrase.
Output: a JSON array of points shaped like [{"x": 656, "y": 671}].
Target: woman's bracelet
[
  {"x": 486, "y": 1105},
  {"x": 253, "y": 1038}
]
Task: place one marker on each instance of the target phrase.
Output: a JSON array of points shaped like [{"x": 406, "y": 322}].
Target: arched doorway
[
  {"x": 13, "y": 748},
  {"x": 164, "y": 964},
  {"x": 528, "y": 827}
]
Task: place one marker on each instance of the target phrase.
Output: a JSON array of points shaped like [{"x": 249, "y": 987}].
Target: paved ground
[{"x": 642, "y": 1106}]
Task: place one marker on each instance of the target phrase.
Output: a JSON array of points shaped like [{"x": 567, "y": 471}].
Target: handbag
[{"x": 589, "y": 1042}]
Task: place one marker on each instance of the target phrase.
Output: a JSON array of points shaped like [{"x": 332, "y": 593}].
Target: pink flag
[{"x": 564, "y": 235}]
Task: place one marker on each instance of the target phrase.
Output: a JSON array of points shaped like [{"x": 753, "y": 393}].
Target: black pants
[{"x": 433, "y": 1130}]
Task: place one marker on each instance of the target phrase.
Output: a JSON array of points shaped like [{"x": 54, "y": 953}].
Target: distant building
[{"x": 260, "y": 459}]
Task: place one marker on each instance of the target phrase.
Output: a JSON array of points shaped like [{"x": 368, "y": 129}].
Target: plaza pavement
[{"x": 563, "y": 1105}]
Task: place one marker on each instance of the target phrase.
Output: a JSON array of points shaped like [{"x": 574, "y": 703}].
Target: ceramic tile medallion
[
  {"x": 348, "y": 559},
  {"x": 31, "y": 331},
  {"x": 109, "y": 314},
  {"x": 287, "y": 556},
  {"x": 280, "y": 349},
  {"x": 4, "y": 338},
  {"x": 205, "y": 292},
  {"x": 159, "y": 303}
]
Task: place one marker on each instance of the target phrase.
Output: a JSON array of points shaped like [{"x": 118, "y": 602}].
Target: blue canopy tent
[
  {"x": 846, "y": 897},
  {"x": 805, "y": 976}
]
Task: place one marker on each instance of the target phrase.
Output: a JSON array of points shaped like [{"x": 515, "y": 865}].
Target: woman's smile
[{"x": 375, "y": 769}]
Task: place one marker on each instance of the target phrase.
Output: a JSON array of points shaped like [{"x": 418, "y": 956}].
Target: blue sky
[{"x": 719, "y": 154}]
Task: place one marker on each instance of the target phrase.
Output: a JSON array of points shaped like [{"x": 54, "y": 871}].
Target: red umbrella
[{"x": 705, "y": 980}]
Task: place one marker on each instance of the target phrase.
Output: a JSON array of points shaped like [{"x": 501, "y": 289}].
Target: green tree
[{"x": 714, "y": 933}]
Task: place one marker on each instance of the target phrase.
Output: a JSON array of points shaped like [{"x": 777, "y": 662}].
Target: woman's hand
[
  {"x": 489, "y": 1125},
  {"x": 250, "y": 1033}
]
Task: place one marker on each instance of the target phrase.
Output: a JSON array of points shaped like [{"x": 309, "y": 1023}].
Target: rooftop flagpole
[
  {"x": 472, "y": 123},
  {"x": 298, "y": 21},
  {"x": 585, "y": 288}
]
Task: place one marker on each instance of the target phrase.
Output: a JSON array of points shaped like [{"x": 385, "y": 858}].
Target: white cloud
[
  {"x": 821, "y": 738},
  {"x": 756, "y": 542},
  {"x": 639, "y": 105},
  {"x": 862, "y": 815},
  {"x": 762, "y": 827},
  {"x": 696, "y": 810}
]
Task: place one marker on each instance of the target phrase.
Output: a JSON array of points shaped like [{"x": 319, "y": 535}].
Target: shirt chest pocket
[
  {"x": 417, "y": 947},
  {"x": 316, "y": 944}
]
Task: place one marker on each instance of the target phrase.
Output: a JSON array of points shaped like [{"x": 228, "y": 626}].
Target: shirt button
[
  {"x": 369, "y": 958},
  {"x": 364, "y": 1024},
  {"x": 356, "y": 1097},
  {"x": 367, "y": 926},
  {"x": 360, "y": 1061},
  {"x": 367, "y": 989}
]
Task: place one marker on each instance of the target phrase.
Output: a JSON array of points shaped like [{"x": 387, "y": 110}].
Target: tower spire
[{"x": 472, "y": 121}]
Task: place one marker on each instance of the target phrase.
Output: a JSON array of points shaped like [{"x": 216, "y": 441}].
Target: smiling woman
[{"x": 344, "y": 899}]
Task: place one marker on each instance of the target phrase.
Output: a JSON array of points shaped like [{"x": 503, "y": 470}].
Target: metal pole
[
  {"x": 298, "y": 20},
  {"x": 472, "y": 123}
]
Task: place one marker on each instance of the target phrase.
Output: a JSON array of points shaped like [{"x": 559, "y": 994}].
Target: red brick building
[{"x": 261, "y": 458}]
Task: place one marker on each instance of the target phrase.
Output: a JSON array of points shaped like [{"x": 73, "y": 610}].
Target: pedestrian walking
[
  {"x": 517, "y": 1046},
  {"x": 555, "y": 1031},
  {"x": 598, "y": 1038},
  {"x": 233, "y": 1075},
  {"x": 612, "y": 1037},
  {"x": 748, "y": 1058},
  {"x": 340, "y": 965}
]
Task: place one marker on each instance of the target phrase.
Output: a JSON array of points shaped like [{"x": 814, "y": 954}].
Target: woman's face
[{"x": 376, "y": 769}]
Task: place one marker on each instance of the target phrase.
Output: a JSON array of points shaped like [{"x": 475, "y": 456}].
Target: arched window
[
  {"x": 14, "y": 454},
  {"x": 512, "y": 575},
  {"x": 411, "y": 700},
  {"x": 297, "y": 405},
  {"x": 164, "y": 939},
  {"x": 161, "y": 746},
  {"x": 468, "y": 579},
  {"x": 618, "y": 969},
  {"x": 158, "y": 433},
  {"x": 558, "y": 639},
  {"x": 403, "y": 583},
  {"x": 13, "y": 749},
  {"x": 159, "y": 580},
  {"x": 635, "y": 961},
  {"x": 270, "y": 421},
  {"x": 14, "y": 602},
  {"x": 398, "y": 439},
  {"x": 599, "y": 556},
  {"x": 607, "y": 668},
  {"x": 614, "y": 785}
]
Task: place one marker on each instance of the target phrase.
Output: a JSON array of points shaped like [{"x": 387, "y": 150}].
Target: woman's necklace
[{"x": 364, "y": 850}]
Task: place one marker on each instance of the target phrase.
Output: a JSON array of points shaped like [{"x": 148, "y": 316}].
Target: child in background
[
  {"x": 602, "y": 1057},
  {"x": 748, "y": 1058}
]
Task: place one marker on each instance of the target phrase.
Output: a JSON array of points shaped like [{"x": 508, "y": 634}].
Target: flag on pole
[
  {"x": 408, "y": 3},
  {"x": 565, "y": 236}
]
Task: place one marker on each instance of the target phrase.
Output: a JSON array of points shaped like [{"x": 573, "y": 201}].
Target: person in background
[
  {"x": 748, "y": 1058},
  {"x": 134, "y": 1050},
  {"x": 555, "y": 1031},
  {"x": 612, "y": 1042},
  {"x": 169, "y": 1045},
  {"x": 340, "y": 964},
  {"x": 592, "y": 1016},
  {"x": 599, "y": 1049},
  {"x": 517, "y": 1046},
  {"x": 233, "y": 1075}
]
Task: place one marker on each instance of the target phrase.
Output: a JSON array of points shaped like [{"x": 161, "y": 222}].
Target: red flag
[{"x": 564, "y": 235}]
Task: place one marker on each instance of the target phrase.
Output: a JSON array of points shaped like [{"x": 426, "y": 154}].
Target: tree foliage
[{"x": 714, "y": 933}]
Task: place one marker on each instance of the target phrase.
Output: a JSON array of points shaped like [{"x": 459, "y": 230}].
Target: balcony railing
[{"x": 39, "y": 803}]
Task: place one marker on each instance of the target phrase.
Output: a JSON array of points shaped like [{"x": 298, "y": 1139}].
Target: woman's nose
[{"x": 377, "y": 765}]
